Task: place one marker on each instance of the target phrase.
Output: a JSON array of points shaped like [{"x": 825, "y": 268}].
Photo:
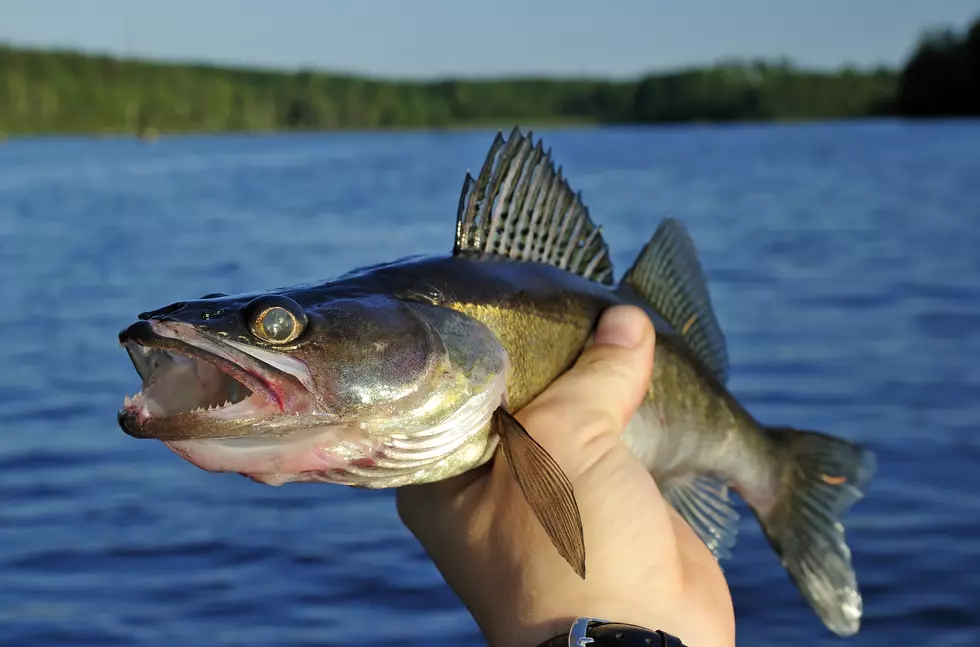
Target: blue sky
[{"x": 427, "y": 38}]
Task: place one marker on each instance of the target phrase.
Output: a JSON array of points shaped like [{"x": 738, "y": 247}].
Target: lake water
[{"x": 844, "y": 262}]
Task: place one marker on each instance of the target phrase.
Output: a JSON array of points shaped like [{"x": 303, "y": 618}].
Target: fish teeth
[{"x": 128, "y": 401}]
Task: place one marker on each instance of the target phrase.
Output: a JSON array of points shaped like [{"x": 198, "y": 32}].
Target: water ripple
[{"x": 843, "y": 266}]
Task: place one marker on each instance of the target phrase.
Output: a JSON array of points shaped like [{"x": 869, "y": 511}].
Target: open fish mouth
[{"x": 191, "y": 377}]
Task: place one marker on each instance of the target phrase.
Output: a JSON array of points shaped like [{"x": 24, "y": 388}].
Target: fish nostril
[{"x": 162, "y": 312}]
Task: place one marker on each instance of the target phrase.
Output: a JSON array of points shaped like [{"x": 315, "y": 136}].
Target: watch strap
[{"x": 592, "y": 632}]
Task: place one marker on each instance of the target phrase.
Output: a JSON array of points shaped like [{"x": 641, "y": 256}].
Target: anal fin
[
  {"x": 545, "y": 488},
  {"x": 704, "y": 503}
]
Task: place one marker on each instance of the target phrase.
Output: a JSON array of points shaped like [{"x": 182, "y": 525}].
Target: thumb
[{"x": 600, "y": 393}]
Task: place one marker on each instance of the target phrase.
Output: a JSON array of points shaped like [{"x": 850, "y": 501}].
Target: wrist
[{"x": 523, "y": 633}]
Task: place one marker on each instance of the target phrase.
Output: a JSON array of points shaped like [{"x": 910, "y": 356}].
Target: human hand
[{"x": 645, "y": 564}]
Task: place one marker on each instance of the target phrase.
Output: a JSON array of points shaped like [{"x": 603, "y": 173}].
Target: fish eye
[{"x": 275, "y": 319}]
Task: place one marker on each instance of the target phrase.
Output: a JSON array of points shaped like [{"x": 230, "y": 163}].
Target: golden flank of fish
[{"x": 409, "y": 372}]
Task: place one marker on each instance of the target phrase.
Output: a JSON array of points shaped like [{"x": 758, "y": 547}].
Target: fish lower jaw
[
  {"x": 313, "y": 454},
  {"x": 333, "y": 455},
  {"x": 370, "y": 454}
]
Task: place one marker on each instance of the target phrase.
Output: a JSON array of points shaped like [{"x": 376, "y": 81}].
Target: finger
[{"x": 602, "y": 391}]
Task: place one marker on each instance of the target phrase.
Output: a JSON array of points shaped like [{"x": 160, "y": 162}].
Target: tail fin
[{"x": 822, "y": 478}]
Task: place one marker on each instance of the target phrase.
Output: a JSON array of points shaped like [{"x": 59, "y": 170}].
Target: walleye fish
[{"x": 410, "y": 372}]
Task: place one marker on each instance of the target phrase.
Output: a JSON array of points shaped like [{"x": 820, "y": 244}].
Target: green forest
[{"x": 65, "y": 92}]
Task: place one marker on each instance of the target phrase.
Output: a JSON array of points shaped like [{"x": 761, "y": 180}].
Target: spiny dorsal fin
[
  {"x": 668, "y": 275},
  {"x": 521, "y": 208}
]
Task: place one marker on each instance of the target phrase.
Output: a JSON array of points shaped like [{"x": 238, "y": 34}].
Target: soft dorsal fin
[
  {"x": 668, "y": 275},
  {"x": 521, "y": 208}
]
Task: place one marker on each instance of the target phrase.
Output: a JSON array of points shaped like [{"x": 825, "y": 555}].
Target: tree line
[
  {"x": 67, "y": 92},
  {"x": 942, "y": 78}
]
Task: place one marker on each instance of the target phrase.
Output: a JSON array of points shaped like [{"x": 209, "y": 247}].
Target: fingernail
[{"x": 621, "y": 327}]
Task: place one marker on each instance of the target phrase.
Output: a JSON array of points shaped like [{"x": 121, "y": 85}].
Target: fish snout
[{"x": 139, "y": 332}]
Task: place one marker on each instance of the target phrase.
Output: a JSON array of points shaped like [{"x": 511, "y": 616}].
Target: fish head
[{"x": 367, "y": 390}]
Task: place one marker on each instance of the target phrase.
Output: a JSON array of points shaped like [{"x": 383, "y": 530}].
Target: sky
[{"x": 433, "y": 38}]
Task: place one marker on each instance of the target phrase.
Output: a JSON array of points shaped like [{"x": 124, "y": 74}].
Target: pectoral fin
[{"x": 545, "y": 487}]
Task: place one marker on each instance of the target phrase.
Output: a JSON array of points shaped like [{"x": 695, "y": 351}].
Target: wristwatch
[{"x": 593, "y": 632}]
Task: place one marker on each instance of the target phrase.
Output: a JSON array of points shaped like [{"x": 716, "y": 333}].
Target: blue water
[{"x": 844, "y": 261}]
